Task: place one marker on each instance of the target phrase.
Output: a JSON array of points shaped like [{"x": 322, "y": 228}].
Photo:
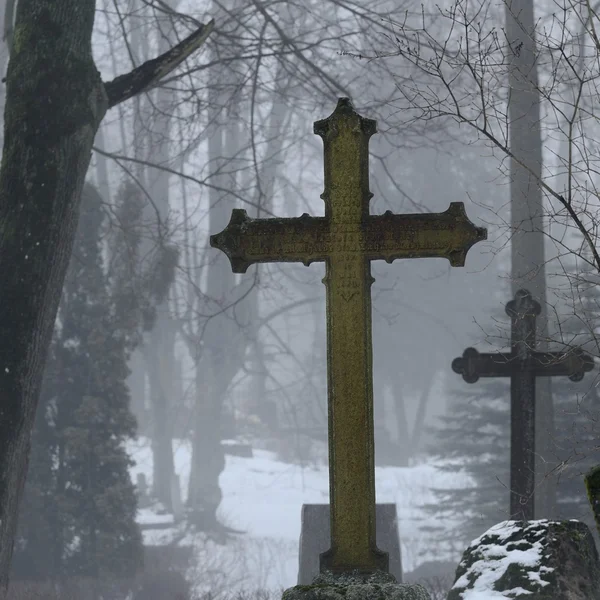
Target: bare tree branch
[{"x": 147, "y": 76}]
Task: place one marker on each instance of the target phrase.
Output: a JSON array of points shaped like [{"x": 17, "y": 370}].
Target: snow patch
[{"x": 263, "y": 497}]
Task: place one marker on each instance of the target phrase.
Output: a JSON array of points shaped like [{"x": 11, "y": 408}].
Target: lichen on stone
[
  {"x": 356, "y": 586},
  {"x": 592, "y": 486}
]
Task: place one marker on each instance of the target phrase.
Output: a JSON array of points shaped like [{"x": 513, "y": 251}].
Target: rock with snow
[{"x": 535, "y": 560}]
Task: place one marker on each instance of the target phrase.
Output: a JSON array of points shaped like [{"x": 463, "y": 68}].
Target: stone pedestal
[
  {"x": 315, "y": 539},
  {"x": 354, "y": 586}
]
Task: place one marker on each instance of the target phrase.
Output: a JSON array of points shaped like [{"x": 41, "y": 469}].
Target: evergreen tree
[
  {"x": 78, "y": 487},
  {"x": 37, "y": 545},
  {"x": 578, "y": 403},
  {"x": 474, "y": 438}
]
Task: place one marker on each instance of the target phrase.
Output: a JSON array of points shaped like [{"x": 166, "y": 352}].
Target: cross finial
[
  {"x": 346, "y": 137},
  {"x": 523, "y": 305}
]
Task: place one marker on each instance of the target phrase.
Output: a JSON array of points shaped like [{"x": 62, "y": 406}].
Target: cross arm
[
  {"x": 246, "y": 241},
  {"x": 449, "y": 235},
  {"x": 573, "y": 364},
  {"x": 473, "y": 364}
]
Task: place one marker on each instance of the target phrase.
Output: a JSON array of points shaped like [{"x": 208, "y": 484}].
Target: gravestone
[
  {"x": 523, "y": 364},
  {"x": 314, "y": 539},
  {"x": 347, "y": 239}
]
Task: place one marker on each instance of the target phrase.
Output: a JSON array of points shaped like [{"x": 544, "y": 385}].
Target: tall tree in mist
[
  {"x": 576, "y": 449},
  {"x": 78, "y": 518},
  {"x": 222, "y": 337},
  {"x": 506, "y": 119},
  {"x": 55, "y": 100},
  {"x": 528, "y": 265},
  {"x": 152, "y": 140}
]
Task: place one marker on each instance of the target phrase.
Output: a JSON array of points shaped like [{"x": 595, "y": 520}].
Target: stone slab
[
  {"x": 356, "y": 586},
  {"x": 530, "y": 560},
  {"x": 315, "y": 539}
]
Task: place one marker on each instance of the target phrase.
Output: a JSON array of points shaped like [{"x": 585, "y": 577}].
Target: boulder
[{"x": 535, "y": 560}]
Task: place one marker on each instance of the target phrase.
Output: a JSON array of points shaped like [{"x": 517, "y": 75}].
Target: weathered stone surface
[
  {"x": 535, "y": 560},
  {"x": 315, "y": 538},
  {"x": 592, "y": 485},
  {"x": 356, "y": 586}
]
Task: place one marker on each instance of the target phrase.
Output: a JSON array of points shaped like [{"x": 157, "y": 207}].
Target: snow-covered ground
[{"x": 263, "y": 497}]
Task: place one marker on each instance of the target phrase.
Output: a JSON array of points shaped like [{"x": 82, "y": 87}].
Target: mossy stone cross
[{"x": 347, "y": 239}]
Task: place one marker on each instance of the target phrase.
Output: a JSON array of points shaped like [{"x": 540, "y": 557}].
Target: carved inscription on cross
[
  {"x": 522, "y": 364},
  {"x": 348, "y": 238}
]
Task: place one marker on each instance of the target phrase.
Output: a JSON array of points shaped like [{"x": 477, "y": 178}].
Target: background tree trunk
[
  {"x": 223, "y": 346},
  {"x": 160, "y": 360},
  {"x": 527, "y": 227}
]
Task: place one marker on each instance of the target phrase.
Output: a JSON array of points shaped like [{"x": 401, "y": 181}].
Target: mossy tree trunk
[
  {"x": 592, "y": 486},
  {"x": 55, "y": 101}
]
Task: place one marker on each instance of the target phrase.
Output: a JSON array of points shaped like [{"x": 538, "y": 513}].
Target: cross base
[
  {"x": 357, "y": 586},
  {"x": 374, "y": 560}
]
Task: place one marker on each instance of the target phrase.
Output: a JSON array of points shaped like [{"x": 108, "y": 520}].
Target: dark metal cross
[{"x": 522, "y": 364}]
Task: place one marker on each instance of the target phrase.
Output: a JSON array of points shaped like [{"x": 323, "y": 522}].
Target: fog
[{"x": 226, "y": 373}]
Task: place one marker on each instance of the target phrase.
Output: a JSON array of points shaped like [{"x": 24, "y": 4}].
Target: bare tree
[
  {"x": 55, "y": 102},
  {"x": 508, "y": 85},
  {"x": 272, "y": 72},
  {"x": 459, "y": 70}
]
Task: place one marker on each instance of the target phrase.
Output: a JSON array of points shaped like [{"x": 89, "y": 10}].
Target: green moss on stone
[
  {"x": 592, "y": 486},
  {"x": 364, "y": 591}
]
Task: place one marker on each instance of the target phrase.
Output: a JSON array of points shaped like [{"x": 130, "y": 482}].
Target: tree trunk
[
  {"x": 47, "y": 148},
  {"x": 55, "y": 101},
  {"x": 404, "y": 438},
  {"x": 417, "y": 433},
  {"x": 527, "y": 227},
  {"x": 223, "y": 344},
  {"x": 6, "y": 29},
  {"x": 159, "y": 360},
  {"x": 266, "y": 411},
  {"x": 136, "y": 382},
  {"x": 161, "y": 341}
]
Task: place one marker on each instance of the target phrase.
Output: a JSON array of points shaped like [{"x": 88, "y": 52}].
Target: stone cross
[
  {"x": 523, "y": 364},
  {"x": 347, "y": 239}
]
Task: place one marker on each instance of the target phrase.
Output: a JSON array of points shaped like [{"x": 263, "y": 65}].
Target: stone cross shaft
[
  {"x": 523, "y": 364},
  {"x": 347, "y": 239}
]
